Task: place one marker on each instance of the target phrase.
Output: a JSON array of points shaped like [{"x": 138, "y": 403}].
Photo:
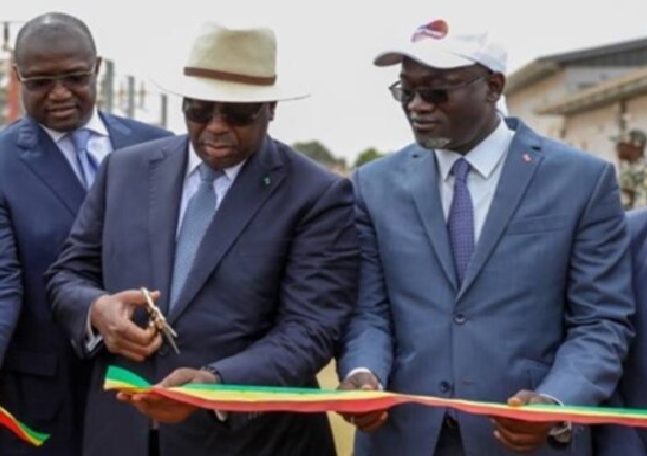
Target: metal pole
[
  {"x": 164, "y": 110},
  {"x": 130, "y": 110}
]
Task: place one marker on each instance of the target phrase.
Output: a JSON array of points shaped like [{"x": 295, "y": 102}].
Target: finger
[
  {"x": 520, "y": 442},
  {"x": 521, "y": 437},
  {"x": 179, "y": 377},
  {"x": 124, "y": 397},
  {"x": 366, "y": 420},
  {"x": 136, "y": 297},
  {"x": 522, "y": 427},
  {"x": 372, "y": 427},
  {"x": 124, "y": 345},
  {"x": 127, "y": 331},
  {"x": 371, "y": 422},
  {"x": 523, "y": 397},
  {"x": 154, "y": 345}
]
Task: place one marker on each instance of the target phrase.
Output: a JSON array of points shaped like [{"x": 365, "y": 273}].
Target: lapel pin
[
  {"x": 267, "y": 180},
  {"x": 527, "y": 158}
]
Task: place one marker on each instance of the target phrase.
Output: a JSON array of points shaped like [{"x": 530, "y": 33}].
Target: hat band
[{"x": 231, "y": 77}]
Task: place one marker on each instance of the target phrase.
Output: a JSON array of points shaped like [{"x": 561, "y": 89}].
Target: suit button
[
  {"x": 460, "y": 319},
  {"x": 445, "y": 387}
]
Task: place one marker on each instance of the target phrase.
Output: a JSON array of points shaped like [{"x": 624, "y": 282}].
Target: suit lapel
[
  {"x": 259, "y": 178},
  {"x": 44, "y": 158},
  {"x": 424, "y": 187},
  {"x": 120, "y": 133},
  {"x": 523, "y": 159},
  {"x": 167, "y": 168}
]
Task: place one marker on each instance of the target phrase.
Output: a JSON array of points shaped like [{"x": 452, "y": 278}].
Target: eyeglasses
[
  {"x": 234, "y": 114},
  {"x": 71, "y": 81},
  {"x": 428, "y": 95}
]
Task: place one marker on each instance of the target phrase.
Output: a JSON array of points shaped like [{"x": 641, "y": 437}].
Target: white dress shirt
[
  {"x": 221, "y": 185},
  {"x": 99, "y": 145},
  {"x": 486, "y": 161}
]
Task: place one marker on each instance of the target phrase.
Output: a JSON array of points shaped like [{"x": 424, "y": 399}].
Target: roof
[
  {"x": 548, "y": 65},
  {"x": 630, "y": 85}
]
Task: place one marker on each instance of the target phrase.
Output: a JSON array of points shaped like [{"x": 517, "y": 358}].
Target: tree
[
  {"x": 367, "y": 155},
  {"x": 319, "y": 153}
]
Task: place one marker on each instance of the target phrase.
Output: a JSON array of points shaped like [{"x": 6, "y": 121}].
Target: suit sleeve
[
  {"x": 316, "y": 296},
  {"x": 368, "y": 342},
  {"x": 599, "y": 302},
  {"x": 613, "y": 440},
  {"x": 11, "y": 288},
  {"x": 74, "y": 281}
]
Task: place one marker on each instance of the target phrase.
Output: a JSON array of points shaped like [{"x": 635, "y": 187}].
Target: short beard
[{"x": 433, "y": 143}]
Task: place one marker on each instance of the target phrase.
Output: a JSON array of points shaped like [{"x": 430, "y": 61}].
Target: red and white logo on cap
[{"x": 435, "y": 30}]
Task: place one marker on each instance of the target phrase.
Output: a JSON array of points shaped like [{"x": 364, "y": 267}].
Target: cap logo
[{"x": 435, "y": 30}]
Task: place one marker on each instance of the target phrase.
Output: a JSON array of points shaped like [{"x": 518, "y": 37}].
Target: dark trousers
[
  {"x": 449, "y": 441},
  {"x": 154, "y": 443}
]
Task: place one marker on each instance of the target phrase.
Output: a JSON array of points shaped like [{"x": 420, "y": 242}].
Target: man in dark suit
[
  {"x": 495, "y": 265},
  {"x": 251, "y": 250},
  {"x": 43, "y": 180},
  {"x": 631, "y": 393}
]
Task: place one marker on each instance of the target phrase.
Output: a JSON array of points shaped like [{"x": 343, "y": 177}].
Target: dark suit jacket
[
  {"x": 271, "y": 289},
  {"x": 41, "y": 381},
  {"x": 632, "y": 390}
]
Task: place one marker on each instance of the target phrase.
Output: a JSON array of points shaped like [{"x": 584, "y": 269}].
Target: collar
[
  {"x": 484, "y": 158},
  {"x": 195, "y": 161},
  {"x": 95, "y": 125}
]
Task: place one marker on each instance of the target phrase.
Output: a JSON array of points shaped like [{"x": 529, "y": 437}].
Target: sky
[{"x": 328, "y": 47}]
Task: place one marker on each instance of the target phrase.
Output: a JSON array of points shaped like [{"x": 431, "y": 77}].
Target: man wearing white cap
[
  {"x": 494, "y": 265},
  {"x": 249, "y": 249}
]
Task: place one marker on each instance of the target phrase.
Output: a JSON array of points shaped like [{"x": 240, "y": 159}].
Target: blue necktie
[
  {"x": 197, "y": 217},
  {"x": 86, "y": 164},
  {"x": 461, "y": 220}
]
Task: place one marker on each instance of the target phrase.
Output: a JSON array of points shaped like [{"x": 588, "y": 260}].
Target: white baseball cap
[{"x": 433, "y": 44}]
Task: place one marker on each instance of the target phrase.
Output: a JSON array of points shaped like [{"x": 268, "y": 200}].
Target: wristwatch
[
  {"x": 562, "y": 436},
  {"x": 212, "y": 370}
]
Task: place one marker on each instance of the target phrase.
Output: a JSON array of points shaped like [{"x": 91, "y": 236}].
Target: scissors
[{"x": 158, "y": 320}]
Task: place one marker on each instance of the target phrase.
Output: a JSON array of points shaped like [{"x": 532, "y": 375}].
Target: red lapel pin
[{"x": 527, "y": 158}]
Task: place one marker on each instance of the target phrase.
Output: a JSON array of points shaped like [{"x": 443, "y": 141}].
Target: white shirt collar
[
  {"x": 195, "y": 161},
  {"x": 95, "y": 125},
  {"x": 484, "y": 158}
]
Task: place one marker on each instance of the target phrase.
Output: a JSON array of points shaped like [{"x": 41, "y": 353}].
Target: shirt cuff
[
  {"x": 366, "y": 370},
  {"x": 92, "y": 339}
]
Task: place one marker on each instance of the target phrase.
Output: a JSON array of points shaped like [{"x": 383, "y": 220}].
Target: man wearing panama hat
[{"x": 249, "y": 249}]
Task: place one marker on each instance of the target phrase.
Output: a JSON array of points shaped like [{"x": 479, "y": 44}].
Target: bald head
[{"x": 52, "y": 27}]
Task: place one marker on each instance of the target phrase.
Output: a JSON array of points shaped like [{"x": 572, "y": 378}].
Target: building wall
[
  {"x": 594, "y": 131},
  {"x": 583, "y": 77},
  {"x": 637, "y": 114},
  {"x": 524, "y": 102},
  {"x": 564, "y": 83}
]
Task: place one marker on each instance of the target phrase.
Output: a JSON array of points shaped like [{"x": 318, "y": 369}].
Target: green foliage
[
  {"x": 367, "y": 155},
  {"x": 319, "y": 153}
]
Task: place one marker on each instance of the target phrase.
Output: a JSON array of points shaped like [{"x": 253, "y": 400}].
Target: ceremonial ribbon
[
  {"x": 23, "y": 432},
  {"x": 265, "y": 399}
]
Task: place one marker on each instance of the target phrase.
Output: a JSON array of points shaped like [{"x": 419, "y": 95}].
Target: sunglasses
[
  {"x": 428, "y": 95},
  {"x": 234, "y": 114},
  {"x": 71, "y": 81}
]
